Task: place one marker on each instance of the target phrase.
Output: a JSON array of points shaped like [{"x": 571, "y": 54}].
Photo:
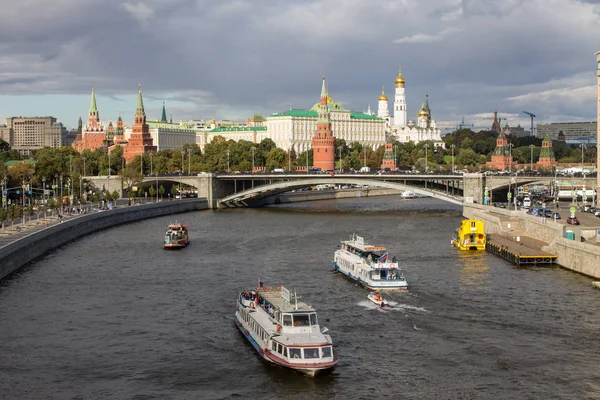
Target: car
[
  {"x": 555, "y": 215},
  {"x": 572, "y": 221},
  {"x": 547, "y": 213}
]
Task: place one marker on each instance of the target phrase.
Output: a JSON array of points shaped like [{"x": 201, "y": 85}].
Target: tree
[
  {"x": 3, "y": 216},
  {"x": 275, "y": 158},
  {"x": 115, "y": 195},
  {"x": 161, "y": 191},
  {"x": 152, "y": 191},
  {"x": 468, "y": 157}
]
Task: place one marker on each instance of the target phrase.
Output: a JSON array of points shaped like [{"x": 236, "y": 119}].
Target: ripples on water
[{"x": 113, "y": 316}]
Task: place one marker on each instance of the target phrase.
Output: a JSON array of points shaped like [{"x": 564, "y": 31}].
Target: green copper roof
[
  {"x": 93, "y": 107},
  {"x": 140, "y": 103},
  {"x": 256, "y": 118},
  {"x": 239, "y": 129},
  {"x": 163, "y": 118},
  {"x": 313, "y": 114}
]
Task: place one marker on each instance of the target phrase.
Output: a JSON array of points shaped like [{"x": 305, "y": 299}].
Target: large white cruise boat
[
  {"x": 284, "y": 331},
  {"x": 369, "y": 265}
]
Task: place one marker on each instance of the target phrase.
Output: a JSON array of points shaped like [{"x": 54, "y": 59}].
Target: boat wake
[{"x": 393, "y": 306}]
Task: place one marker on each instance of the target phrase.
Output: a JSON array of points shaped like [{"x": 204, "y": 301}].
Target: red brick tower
[
  {"x": 389, "y": 161},
  {"x": 140, "y": 140},
  {"x": 502, "y": 157},
  {"x": 323, "y": 141}
]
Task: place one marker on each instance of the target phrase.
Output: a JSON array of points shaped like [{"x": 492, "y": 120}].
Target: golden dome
[
  {"x": 383, "y": 97},
  {"x": 423, "y": 112},
  {"x": 400, "y": 80}
]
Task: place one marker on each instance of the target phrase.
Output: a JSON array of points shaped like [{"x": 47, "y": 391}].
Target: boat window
[
  {"x": 295, "y": 353},
  {"x": 273, "y": 346},
  {"x": 313, "y": 319},
  {"x": 279, "y": 348},
  {"x": 326, "y": 351},
  {"x": 301, "y": 320},
  {"x": 311, "y": 353},
  {"x": 285, "y": 351},
  {"x": 287, "y": 320}
]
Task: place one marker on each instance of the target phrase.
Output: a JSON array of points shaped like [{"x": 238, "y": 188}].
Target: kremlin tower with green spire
[{"x": 323, "y": 142}]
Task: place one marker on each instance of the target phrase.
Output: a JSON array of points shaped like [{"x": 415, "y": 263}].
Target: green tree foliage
[
  {"x": 3, "y": 215},
  {"x": 276, "y": 158},
  {"x": 152, "y": 191}
]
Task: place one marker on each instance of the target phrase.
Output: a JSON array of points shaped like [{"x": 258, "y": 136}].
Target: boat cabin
[{"x": 371, "y": 253}]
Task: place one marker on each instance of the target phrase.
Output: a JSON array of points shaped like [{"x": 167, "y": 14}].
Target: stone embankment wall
[
  {"x": 22, "y": 251},
  {"x": 327, "y": 195},
  {"x": 577, "y": 256},
  {"x": 574, "y": 255}
]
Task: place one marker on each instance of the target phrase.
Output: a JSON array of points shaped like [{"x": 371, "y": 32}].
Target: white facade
[
  {"x": 294, "y": 129},
  {"x": 405, "y": 130}
]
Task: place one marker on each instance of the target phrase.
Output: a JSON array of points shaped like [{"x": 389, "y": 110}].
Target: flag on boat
[{"x": 383, "y": 257}]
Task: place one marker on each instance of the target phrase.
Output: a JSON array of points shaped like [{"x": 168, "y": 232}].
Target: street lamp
[
  {"x": 582, "y": 147},
  {"x": 340, "y": 158},
  {"x": 395, "y": 159},
  {"x": 227, "y": 160},
  {"x": 44, "y": 195},
  {"x": 84, "y": 174},
  {"x": 182, "y": 168},
  {"x": 142, "y": 164},
  {"x": 253, "y": 149},
  {"x": 151, "y": 166},
  {"x": 189, "y": 151},
  {"x": 109, "y": 167},
  {"x": 531, "y": 146},
  {"x": 452, "y": 147},
  {"x": 426, "y": 147},
  {"x": 510, "y": 146}
]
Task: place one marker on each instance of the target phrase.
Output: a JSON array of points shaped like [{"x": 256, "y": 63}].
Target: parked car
[
  {"x": 555, "y": 215},
  {"x": 547, "y": 213},
  {"x": 572, "y": 221}
]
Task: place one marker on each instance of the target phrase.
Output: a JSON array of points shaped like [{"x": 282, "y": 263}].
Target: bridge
[{"x": 250, "y": 190}]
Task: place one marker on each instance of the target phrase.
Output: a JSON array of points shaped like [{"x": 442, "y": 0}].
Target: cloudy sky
[{"x": 232, "y": 58}]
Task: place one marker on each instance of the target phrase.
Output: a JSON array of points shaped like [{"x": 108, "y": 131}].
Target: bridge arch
[{"x": 241, "y": 198}]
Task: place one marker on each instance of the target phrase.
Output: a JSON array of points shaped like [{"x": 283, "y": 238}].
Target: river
[{"x": 114, "y": 316}]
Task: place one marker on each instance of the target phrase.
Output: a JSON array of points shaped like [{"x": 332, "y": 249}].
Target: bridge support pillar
[{"x": 474, "y": 186}]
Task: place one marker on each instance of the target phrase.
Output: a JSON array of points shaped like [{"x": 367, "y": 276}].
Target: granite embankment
[
  {"x": 582, "y": 256},
  {"x": 25, "y": 249}
]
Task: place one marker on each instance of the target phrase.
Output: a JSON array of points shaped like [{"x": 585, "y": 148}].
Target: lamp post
[
  {"x": 142, "y": 164},
  {"x": 189, "y": 152},
  {"x": 253, "y": 149},
  {"x": 452, "y": 146},
  {"x": 84, "y": 174},
  {"x": 44, "y": 195},
  {"x": 510, "y": 146},
  {"x": 157, "y": 188},
  {"x": 531, "y": 146},
  {"x": 3, "y": 186},
  {"x": 340, "y": 158},
  {"x": 227, "y": 160},
  {"x": 582, "y": 147},
  {"x": 61, "y": 194},
  {"x": 151, "y": 165},
  {"x": 70, "y": 165},
  {"x": 426, "y": 147},
  {"x": 109, "y": 168},
  {"x": 307, "y": 161},
  {"x": 182, "y": 167},
  {"x": 395, "y": 159},
  {"x": 80, "y": 191},
  {"x": 289, "y": 159}
]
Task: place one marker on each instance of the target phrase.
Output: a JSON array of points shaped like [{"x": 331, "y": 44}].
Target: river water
[{"x": 114, "y": 316}]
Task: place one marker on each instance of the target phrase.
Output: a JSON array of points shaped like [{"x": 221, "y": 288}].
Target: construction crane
[
  {"x": 462, "y": 124},
  {"x": 532, "y": 117}
]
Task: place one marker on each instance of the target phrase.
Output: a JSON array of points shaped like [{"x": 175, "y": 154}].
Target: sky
[{"x": 229, "y": 59}]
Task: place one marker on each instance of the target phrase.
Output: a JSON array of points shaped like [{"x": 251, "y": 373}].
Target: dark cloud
[{"x": 234, "y": 56}]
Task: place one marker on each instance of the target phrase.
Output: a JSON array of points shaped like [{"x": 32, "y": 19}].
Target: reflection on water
[{"x": 473, "y": 269}]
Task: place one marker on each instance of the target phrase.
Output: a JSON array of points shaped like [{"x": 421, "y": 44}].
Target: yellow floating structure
[{"x": 470, "y": 235}]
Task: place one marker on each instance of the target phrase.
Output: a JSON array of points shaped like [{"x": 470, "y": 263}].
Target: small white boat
[
  {"x": 377, "y": 299},
  {"x": 596, "y": 284},
  {"x": 407, "y": 194}
]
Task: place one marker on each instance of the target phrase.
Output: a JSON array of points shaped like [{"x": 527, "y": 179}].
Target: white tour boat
[
  {"x": 368, "y": 265},
  {"x": 408, "y": 195},
  {"x": 284, "y": 331},
  {"x": 377, "y": 299}
]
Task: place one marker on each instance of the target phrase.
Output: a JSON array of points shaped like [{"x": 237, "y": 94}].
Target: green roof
[
  {"x": 239, "y": 129},
  {"x": 313, "y": 114},
  {"x": 12, "y": 162},
  {"x": 256, "y": 118}
]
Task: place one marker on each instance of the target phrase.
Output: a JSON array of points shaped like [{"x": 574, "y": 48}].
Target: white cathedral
[{"x": 403, "y": 129}]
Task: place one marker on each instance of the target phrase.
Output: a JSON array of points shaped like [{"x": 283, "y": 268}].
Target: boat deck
[
  {"x": 273, "y": 296},
  {"x": 525, "y": 252}
]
